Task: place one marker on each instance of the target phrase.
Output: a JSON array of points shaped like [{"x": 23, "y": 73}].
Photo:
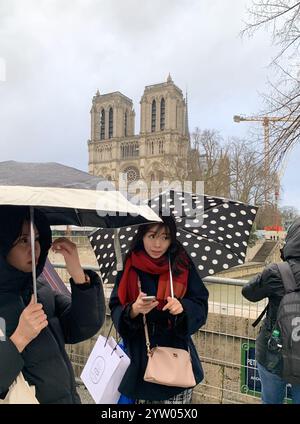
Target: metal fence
[{"x": 225, "y": 344}]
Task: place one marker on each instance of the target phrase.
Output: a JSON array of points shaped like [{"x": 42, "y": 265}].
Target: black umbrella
[
  {"x": 67, "y": 196},
  {"x": 214, "y": 232}
]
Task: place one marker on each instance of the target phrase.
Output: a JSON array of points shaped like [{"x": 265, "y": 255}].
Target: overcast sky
[{"x": 55, "y": 54}]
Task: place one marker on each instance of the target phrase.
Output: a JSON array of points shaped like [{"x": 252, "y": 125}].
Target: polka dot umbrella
[{"x": 214, "y": 232}]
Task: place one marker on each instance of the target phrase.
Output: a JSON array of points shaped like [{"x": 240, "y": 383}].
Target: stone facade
[{"x": 158, "y": 153}]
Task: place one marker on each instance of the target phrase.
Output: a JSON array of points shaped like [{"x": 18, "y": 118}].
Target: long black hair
[
  {"x": 11, "y": 222},
  {"x": 178, "y": 256}
]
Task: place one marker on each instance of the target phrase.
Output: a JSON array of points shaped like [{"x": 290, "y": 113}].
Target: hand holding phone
[{"x": 143, "y": 305}]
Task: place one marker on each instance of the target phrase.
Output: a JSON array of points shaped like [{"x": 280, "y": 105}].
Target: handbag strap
[
  {"x": 145, "y": 324},
  {"x": 146, "y": 335},
  {"x": 148, "y": 346}
]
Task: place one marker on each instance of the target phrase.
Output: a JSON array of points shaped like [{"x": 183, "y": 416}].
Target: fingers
[
  {"x": 142, "y": 302},
  {"x": 43, "y": 325},
  {"x": 35, "y": 318},
  {"x": 38, "y": 323},
  {"x": 63, "y": 244},
  {"x": 71, "y": 257},
  {"x": 145, "y": 309},
  {"x": 32, "y": 321},
  {"x": 33, "y": 312},
  {"x": 173, "y": 306},
  {"x": 32, "y": 307},
  {"x": 142, "y": 307},
  {"x": 38, "y": 316}
]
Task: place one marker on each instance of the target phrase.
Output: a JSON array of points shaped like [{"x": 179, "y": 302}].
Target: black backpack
[{"x": 288, "y": 323}]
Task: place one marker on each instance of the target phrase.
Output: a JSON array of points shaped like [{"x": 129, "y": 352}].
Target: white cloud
[{"x": 2, "y": 69}]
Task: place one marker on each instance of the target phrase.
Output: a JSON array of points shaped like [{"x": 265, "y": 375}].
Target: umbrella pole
[
  {"x": 171, "y": 278},
  {"x": 118, "y": 250},
  {"x": 32, "y": 240}
]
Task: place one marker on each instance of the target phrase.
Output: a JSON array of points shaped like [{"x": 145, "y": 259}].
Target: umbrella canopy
[
  {"x": 214, "y": 232},
  {"x": 68, "y": 196}
]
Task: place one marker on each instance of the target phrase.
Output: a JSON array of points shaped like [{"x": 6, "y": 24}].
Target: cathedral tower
[{"x": 159, "y": 152}]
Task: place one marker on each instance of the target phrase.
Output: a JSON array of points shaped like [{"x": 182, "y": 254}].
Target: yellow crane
[{"x": 265, "y": 120}]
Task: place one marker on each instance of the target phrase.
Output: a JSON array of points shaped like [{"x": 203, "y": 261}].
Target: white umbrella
[{"x": 67, "y": 196}]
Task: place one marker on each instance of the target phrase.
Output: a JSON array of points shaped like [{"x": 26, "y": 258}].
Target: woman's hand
[
  {"x": 31, "y": 322},
  {"x": 141, "y": 306},
  {"x": 173, "y": 306},
  {"x": 69, "y": 251}
]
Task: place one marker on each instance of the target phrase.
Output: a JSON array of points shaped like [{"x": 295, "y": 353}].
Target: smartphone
[{"x": 148, "y": 298}]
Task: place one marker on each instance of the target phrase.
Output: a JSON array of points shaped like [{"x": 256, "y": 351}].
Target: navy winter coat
[{"x": 164, "y": 330}]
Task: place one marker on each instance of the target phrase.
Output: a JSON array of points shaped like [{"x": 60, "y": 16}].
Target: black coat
[
  {"x": 44, "y": 362},
  {"x": 178, "y": 334},
  {"x": 269, "y": 285},
  {"x": 71, "y": 319}
]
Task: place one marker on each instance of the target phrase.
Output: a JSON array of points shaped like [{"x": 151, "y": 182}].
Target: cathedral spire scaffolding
[{"x": 169, "y": 79}]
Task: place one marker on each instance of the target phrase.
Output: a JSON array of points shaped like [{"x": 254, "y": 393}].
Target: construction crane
[{"x": 265, "y": 120}]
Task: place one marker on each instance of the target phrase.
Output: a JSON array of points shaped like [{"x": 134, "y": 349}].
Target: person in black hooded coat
[
  {"x": 37, "y": 332},
  {"x": 269, "y": 285}
]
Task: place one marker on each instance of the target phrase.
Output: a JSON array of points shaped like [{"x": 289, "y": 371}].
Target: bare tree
[
  {"x": 233, "y": 169},
  {"x": 289, "y": 214},
  {"x": 282, "y": 18},
  {"x": 208, "y": 161},
  {"x": 267, "y": 215},
  {"x": 248, "y": 179}
]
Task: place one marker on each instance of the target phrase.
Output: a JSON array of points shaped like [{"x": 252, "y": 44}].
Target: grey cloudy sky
[{"x": 57, "y": 53}]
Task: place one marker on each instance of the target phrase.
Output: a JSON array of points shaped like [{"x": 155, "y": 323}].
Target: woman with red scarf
[{"x": 170, "y": 321}]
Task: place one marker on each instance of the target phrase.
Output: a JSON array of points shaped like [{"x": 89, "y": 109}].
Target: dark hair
[
  {"x": 178, "y": 256},
  {"x": 12, "y": 219}
]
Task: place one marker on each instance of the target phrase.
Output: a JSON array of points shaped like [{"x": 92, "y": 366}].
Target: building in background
[{"x": 160, "y": 150}]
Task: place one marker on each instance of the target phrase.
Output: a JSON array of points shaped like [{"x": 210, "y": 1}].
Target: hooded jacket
[
  {"x": 71, "y": 319},
  {"x": 269, "y": 285}
]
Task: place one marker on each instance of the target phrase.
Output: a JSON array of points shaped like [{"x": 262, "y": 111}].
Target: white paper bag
[{"x": 104, "y": 370}]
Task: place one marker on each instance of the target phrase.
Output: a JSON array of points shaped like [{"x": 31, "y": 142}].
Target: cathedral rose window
[{"x": 132, "y": 173}]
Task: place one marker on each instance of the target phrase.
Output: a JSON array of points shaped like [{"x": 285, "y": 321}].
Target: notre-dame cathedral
[{"x": 160, "y": 150}]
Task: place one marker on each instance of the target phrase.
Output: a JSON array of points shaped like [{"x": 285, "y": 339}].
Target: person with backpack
[{"x": 277, "y": 348}]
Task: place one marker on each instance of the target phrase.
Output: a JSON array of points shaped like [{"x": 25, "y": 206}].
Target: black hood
[
  {"x": 11, "y": 221},
  {"x": 291, "y": 247}
]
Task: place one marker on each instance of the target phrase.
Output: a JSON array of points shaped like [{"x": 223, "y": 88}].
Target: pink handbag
[{"x": 168, "y": 366}]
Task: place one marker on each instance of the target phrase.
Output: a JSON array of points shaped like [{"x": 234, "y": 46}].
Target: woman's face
[
  {"x": 19, "y": 255},
  {"x": 156, "y": 241}
]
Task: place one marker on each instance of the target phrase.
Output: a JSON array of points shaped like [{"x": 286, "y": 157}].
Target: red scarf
[{"x": 128, "y": 289}]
